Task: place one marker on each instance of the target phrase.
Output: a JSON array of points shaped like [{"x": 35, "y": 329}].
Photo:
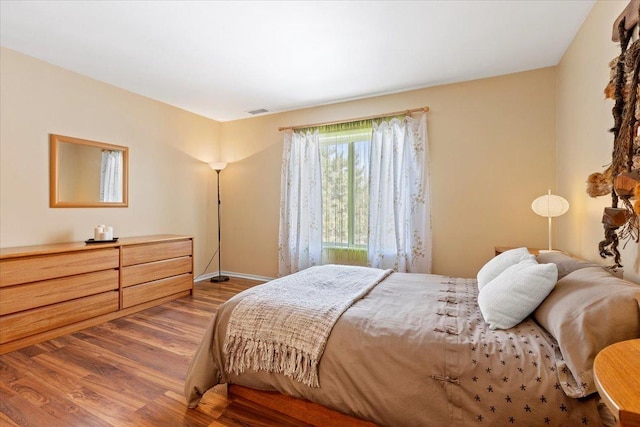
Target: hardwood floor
[{"x": 127, "y": 372}]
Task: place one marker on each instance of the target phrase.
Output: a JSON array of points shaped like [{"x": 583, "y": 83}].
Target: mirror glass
[{"x": 87, "y": 173}]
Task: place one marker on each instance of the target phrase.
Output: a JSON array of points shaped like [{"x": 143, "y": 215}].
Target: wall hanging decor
[{"x": 621, "y": 179}]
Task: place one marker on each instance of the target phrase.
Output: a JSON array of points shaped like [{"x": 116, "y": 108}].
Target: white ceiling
[{"x": 221, "y": 59}]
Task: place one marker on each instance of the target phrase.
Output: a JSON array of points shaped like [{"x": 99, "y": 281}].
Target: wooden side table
[
  {"x": 616, "y": 371},
  {"x": 501, "y": 249}
]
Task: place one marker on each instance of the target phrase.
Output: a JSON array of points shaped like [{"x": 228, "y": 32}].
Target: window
[
  {"x": 344, "y": 157},
  {"x": 356, "y": 193}
]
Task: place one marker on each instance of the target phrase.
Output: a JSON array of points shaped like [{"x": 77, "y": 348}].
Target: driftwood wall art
[{"x": 621, "y": 179}]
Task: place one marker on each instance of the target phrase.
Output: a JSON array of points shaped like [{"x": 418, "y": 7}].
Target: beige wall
[
  {"x": 493, "y": 150},
  {"x": 171, "y": 190},
  {"x": 492, "y": 146},
  {"x": 584, "y": 142}
]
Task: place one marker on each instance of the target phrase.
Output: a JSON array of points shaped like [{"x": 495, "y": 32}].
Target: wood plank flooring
[{"x": 127, "y": 372}]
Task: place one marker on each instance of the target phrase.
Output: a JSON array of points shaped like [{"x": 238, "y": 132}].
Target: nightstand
[
  {"x": 501, "y": 249},
  {"x": 616, "y": 371}
]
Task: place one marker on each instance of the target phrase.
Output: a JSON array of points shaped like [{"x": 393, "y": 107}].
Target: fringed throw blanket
[{"x": 283, "y": 326}]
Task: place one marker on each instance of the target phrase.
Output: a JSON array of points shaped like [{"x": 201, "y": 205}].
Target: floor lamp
[
  {"x": 550, "y": 206},
  {"x": 218, "y": 166}
]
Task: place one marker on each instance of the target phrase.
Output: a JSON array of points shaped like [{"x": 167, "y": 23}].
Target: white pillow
[
  {"x": 512, "y": 296},
  {"x": 500, "y": 263}
]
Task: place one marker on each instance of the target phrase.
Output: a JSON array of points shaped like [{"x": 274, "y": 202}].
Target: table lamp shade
[{"x": 550, "y": 205}]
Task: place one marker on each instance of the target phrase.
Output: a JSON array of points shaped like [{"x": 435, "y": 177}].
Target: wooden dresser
[{"x": 50, "y": 290}]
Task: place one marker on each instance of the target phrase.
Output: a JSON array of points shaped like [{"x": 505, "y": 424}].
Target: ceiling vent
[{"x": 258, "y": 111}]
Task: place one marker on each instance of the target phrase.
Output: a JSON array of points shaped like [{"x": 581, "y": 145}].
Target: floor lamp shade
[
  {"x": 550, "y": 206},
  {"x": 218, "y": 167}
]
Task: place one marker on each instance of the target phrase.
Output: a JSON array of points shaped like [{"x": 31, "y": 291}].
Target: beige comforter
[{"x": 415, "y": 351}]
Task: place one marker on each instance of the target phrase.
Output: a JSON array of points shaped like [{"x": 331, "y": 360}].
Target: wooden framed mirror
[{"x": 87, "y": 174}]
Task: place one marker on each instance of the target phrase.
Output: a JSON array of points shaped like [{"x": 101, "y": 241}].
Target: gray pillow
[
  {"x": 588, "y": 310},
  {"x": 566, "y": 264}
]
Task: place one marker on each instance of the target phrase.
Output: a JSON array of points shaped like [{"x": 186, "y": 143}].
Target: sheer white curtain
[
  {"x": 111, "y": 176},
  {"x": 300, "y": 236},
  {"x": 399, "y": 214}
]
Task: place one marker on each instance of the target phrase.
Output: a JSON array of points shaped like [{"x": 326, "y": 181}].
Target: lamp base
[{"x": 218, "y": 279}]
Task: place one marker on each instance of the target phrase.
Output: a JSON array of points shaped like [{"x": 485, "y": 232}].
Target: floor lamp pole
[{"x": 219, "y": 277}]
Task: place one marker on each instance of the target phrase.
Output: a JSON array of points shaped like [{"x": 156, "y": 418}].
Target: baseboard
[{"x": 233, "y": 274}]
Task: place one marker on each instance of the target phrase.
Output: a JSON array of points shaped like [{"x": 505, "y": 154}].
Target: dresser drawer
[
  {"x": 14, "y": 271},
  {"x": 30, "y": 322},
  {"x": 38, "y": 294},
  {"x": 139, "y": 294},
  {"x": 141, "y": 273},
  {"x": 148, "y": 252}
]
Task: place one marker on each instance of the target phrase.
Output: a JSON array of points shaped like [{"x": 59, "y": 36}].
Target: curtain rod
[{"x": 377, "y": 116}]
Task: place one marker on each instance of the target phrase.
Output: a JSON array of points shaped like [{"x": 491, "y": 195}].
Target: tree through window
[{"x": 344, "y": 156}]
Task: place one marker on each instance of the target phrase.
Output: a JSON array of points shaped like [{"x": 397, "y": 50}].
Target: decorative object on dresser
[
  {"x": 50, "y": 290},
  {"x": 102, "y": 234},
  {"x": 550, "y": 206},
  {"x": 218, "y": 167}
]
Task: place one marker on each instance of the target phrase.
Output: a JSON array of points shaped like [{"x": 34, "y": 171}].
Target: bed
[{"x": 418, "y": 349}]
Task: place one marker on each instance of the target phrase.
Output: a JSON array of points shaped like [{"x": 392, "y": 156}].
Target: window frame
[{"x": 357, "y": 134}]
